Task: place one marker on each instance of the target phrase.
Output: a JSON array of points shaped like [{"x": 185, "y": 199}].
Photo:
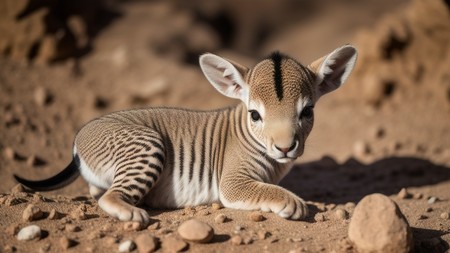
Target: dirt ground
[{"x": 388, "y": 128}]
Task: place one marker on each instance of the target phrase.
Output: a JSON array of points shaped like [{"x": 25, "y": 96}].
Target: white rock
[
  {"x": 29, "y": 233},
  {"x": 127, "y": 246}
]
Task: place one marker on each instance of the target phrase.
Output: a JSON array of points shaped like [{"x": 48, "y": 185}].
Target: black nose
[{"x": 286, "y": 150}]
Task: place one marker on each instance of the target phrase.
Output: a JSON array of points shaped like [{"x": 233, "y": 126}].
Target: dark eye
[
  {"x": 255, "y": 115},
  {"x": 307, "y": 112}
]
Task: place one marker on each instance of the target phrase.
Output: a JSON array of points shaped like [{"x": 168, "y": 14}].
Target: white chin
[{"x": 284, "y": 160}]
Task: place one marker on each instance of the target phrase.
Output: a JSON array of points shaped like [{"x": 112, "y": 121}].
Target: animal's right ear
[{"x": 227, "y": 77}]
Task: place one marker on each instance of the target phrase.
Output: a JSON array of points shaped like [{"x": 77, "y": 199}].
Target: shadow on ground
[{"x": 327, "y": 181}]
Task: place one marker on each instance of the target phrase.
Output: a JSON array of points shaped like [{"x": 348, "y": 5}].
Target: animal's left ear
[{"x": 333, "y": 69}]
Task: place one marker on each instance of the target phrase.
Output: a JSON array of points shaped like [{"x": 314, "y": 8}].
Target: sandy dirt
[{"x": 388, "y": 128}]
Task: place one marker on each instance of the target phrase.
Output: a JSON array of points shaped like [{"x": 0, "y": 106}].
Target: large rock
[
  {"x": 196, "y": 231},
  {"x": 378, "y": 226}
]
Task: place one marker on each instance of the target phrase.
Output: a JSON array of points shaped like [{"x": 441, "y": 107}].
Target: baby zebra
[{"x": 171, "y": 158}]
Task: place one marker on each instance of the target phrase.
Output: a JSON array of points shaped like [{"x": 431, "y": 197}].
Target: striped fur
[{"x": 169, "y": 158}]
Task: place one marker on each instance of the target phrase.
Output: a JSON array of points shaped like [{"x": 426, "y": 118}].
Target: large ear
[
  {"x": 333, "y": 69},
  {"x": 227, "y": 77}
]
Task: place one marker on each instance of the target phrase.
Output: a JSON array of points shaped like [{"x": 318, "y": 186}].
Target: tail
[{"x": 63, "y": 178}]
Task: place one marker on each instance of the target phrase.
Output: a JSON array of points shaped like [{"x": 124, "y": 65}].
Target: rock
[
  {"x": 9, "y": 153},
  {"x": 247, "y": 240},
  {"x": 432, "y": 200},
  {"x": 155, "y": 226},
  {"x": 417, "y": 195},
  {"x": 35, "y": 161},
  {"x": 12, "y": 229},
  {"x": 132, "y": 226},
  {"x": 72, "y": 228},
  {"x": 319, "y": 217},
  {"x": 263, "y": 234},
  {"x": 32, "y": 213},
  {"x": 429, "y": 210},
  {"x": 145, "y": 243},
  {"x": 403, "y": 194},
  {"x": 221, "y": 218},
  {"x": 66, "y": 242},
  {"x": 29, "y": 233},
  {"x": 256, "y": 216},
  {"x": 78, "y": 214},
  {"x": 54, "y": 215},
  {"x": 17, "y": 188},
  {"x": 216, "y": 206},
  {"x": 236, "y": 240},
  {"x": 173, "y": 244},
  {"x": 196, "y": 231},
  {"x": 127, "y": 246},
  {"x": 350, "y": 205},
  {"x": 42, "y": 96},
  {"x": 378, "y": 225},
  {"x": 445, "y": 215},
  {"x": 341, "y": 214},
  {"x": 361, "y": 148}
]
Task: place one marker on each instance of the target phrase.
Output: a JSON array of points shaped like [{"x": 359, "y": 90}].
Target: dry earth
[{"x": 388, "y": 128}]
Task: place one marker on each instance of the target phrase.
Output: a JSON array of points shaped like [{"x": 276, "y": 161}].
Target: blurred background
[{"x": 63, "y": 63}]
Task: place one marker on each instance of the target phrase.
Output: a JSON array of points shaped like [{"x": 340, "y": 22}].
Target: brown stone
[
  {"x": 196, "y": 231},
  {"x": 256, "y": 216},
  {"x": 173, "y": 244},
  {"x": 146, "y": 243},
  {"x": 379, "y": 226},
  {"x": 31, "y": 213}
]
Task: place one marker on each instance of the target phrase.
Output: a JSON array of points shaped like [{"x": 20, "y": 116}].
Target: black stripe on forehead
[{"x": 277, "y": 74}]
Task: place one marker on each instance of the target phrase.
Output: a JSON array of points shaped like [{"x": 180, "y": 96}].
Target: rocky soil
[{"x": 386, "y": 131}]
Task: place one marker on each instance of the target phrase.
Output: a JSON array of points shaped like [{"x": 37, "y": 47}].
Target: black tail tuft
[{"x": 65, "y": 177}]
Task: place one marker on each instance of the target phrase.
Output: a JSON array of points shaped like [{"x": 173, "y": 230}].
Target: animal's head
[{"x": 280, "y": 94}]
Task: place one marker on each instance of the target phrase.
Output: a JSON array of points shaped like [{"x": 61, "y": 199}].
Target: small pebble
[
  {"x": 361, "y": 148},
  {"x": 173, "y": 244},
  {"x": 72, "y": 228},
  {"x": 445, "y": 215},
  {"x": 155, "y": 226},
  {"x": 17, "y": 188},
  {"x": 205, "y": 212},
  {"x": 66, "y": 242},
  {"x": 32, "y": 213},
  {"x": 216, "y": 206},
  {"x": 350, "y": 205},
  {"x": 236, "y": 240},
  {"x": 132, "y": 226},
  {"x": 341, "y": 214},
  {"x": 78, "y": 214},
  {"x": 238, "y": 228},
  {"x": 54, "y": 215},
  {"x": 9, "y": 153},
  {"x": 127, "y": 246},
  {"x": 45, "y": 248},
  {"x": 221, "y": 218},
  {"x": 429, "y": 209},
  {"x": 432, "y": 200},
  {"x": 29, "y": 233},
  {"x": 422, "y": 217},
  {"x": 36, "y": 161},
  {"x": 403, "y": 194},
  {"x": 196, "y": 231},
  {"x": 417, "y": 195},
  {"x": 256, "y": 216},
  {"x": 12, "y": 230},
  {"x": 145, "y": 243},
  {"x": 319, "y": 217},
  {"x": 263, "y": 234},
  {"x": 247, "y": 240}
]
